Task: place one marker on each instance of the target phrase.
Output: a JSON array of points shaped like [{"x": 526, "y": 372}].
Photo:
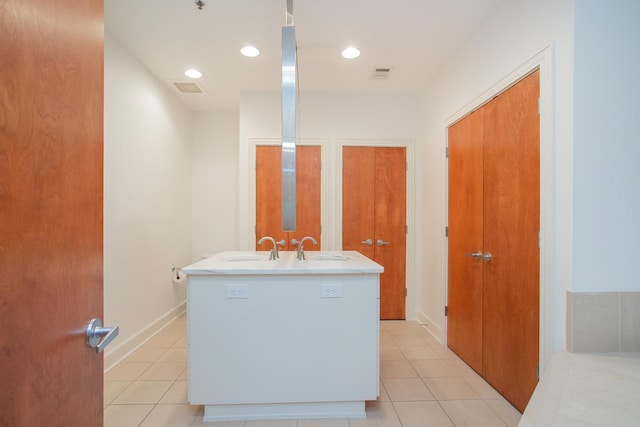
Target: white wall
[
  {"x": 514, "y": 33},
  {"x": 607, "y": 146},
  {"x": 215, "y": 183},
  {"x": 147, "y": 199}
]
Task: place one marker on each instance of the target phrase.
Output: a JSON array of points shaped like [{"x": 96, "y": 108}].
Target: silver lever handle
[
  {"x": 367, "y": 242},
  {"x": 294, "y": 241},
  {"x": 476, "y": 255},
  {"x": 99, "y": 337},
  {"x": 381, "y": 242},
  {"x": 487, "y": 257},
  {"x": 281, "y": 242}
]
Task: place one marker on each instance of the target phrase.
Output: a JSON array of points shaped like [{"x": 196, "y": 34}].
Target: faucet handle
[
  {"x": 281, "y": 242},
  {"x": 294, "y": 241}
]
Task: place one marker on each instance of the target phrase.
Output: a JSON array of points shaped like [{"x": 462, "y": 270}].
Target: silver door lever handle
[
  {"x": 381, "y": 242},
  {"x": 99, "y": 337},
  {"x": 367, "y": 242},
  {"x": 476, "y": 255},
  {"x": 487, "y": 256}
]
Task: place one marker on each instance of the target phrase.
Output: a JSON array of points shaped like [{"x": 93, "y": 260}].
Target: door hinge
[
  {"x": 539, "y": 239},
  {"x": 446, "y": 310},
  {"x": 446, "y": 231},
  {"x": 446, "y": 152},
  {"x": 406, "y": 229},
  {"x": 405, "y": 292},
  {"x": 539, "y": 106},
  {"x": 538, "y": 370}
]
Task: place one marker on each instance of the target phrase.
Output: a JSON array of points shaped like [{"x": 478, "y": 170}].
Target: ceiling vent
[
  {"x": 380, "y": 73},
  {"x": 188, "y": 87}
]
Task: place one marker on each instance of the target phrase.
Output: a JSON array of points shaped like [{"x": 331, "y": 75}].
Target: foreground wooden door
[
  {"x": 269, "y": 195},
  {"x": 51, "y": 115},
  {"x": 464, "y": 322},
  {"x": 511, "y": 226},
  {"x": 494, "y": 220},
  {"x": 374, "y": 217}
]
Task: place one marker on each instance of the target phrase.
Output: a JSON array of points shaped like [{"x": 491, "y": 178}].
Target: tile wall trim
[{"x": 601, "y": 322}]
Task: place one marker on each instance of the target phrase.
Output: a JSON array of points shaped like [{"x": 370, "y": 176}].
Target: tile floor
[{"x": 423, "y": 384}]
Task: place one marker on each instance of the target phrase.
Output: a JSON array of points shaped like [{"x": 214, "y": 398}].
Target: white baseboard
[
  {"x": 115, "y": 355},
  {"x": 433, "y": 328}
]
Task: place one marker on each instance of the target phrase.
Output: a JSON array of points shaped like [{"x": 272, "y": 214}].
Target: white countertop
[
  {"x": 258, "y": 263},
  {"x": 587, "y": 389}
]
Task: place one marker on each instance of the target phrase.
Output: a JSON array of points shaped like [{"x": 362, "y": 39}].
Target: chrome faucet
[
  {"x": 300, "y": 250},
  {"x": 273, "y": 253}
]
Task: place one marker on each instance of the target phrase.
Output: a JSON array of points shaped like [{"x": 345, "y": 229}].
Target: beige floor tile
[
  {"x": 339, "y": 422},
  {"x": 174, "y": 354},
  {"x": 171, "y": 416},
  {"x": 471, "y": 413},
  {"x": 433, "y": 368},
  {"x": 407, "y": 389},
  {"x": 126, "y": 371},
  {"x": 507, "y": 413},
  {"x": 408, "y": 340},
  {"x": 387, "y": 341},
  {"x": 391, "y": 353},
  {"x": 444, "y": 352},
  {"x": 113, "y": 388},
  {"x": 419, "y": 352},
  {"x": 163, "y": 371},
  {"x": 200, "y": 423},
  {"x": 379, "y": 414},
  {"x": 182, "y": 342},
  {"x": 145, "y": 355},
  {"x": 422, "y": 414},
  {"x": 450, "y": 388},
  {"x": 480, "y": 386},
  {"x": 184, "y": 376},
  {"x": 143, "y": 392},
  {"x": 163, "y": 340},
  {"x": 384, "y": 396},
  {"x": 177, "y": 393},
  {"x": 125, "y": 415},
  {"x": 271, "y": 423},
  {"x": 396, "y": 369},
  {"x": 460, "y": 367},
  {"x": 397, "y": 327}
]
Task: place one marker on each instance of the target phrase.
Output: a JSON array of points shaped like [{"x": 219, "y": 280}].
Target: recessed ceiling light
[
  {"x": 193, "y": 73},
  {"x": 250, "y": 51},
  {"x": 350, "y": 53}
]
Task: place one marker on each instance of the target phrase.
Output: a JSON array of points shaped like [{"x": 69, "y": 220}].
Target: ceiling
[{"x": 412, "y": 37}]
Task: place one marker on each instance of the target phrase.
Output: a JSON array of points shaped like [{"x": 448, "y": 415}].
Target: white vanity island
[{"x": 272, "y": 339}]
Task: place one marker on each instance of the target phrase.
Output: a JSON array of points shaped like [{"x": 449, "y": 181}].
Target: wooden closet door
[
  {"x": 511, "y": 226},
  {"x": 464, "y": 321},
  {"x": 374, "y": 208},
  {"x": 269, "y": 195},
  {"x": 358, "y": 194},
  {"x": 390, "y": 229}
]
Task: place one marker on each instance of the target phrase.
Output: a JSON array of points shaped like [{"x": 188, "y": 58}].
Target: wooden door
[
  {"x": 494, "y": 210},
  {"x": 374, "y": 207},
  {"x": 269, "y": 195},
  {"x": 511, "y": 225},
  {"x": 464, "y": 322},
  {"x": 51, "y": 130}
]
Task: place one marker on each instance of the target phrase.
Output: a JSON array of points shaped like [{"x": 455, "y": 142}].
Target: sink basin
[
  {"x": 245, "y": 258},
  {"x": 330, "y": 257}
]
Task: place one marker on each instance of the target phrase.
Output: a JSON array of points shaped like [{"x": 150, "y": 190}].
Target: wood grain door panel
[
  {"x": 358, "y": 194},
  {"x": 511, "y": 225},
  {"x": 390, "y": 226},
  {"x": 51, "y": 169},
  {"x": 307, "y": 195},
  {"x": 464, "y": 321},
  {"x": 374, "y": 207}
]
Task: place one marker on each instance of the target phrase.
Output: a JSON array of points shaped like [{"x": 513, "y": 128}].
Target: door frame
[
  {"x": 324, "y": 186},
  {"x": 409, "y": 194},
  {"x": 542, "y": 60}
]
